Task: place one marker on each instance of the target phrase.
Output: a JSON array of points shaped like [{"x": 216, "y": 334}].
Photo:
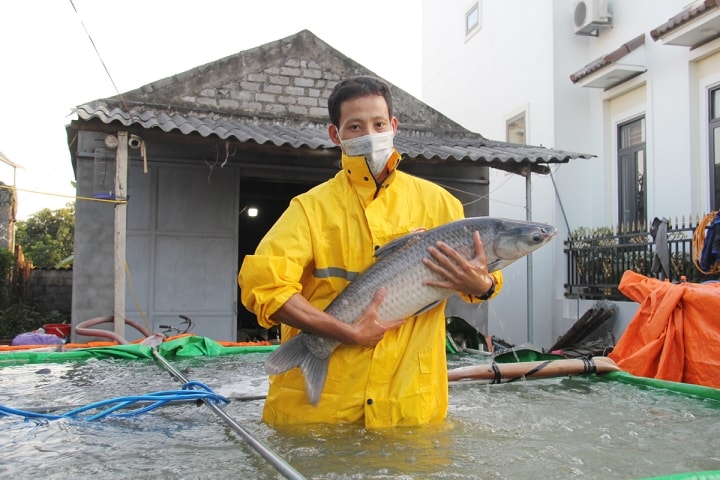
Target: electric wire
[
  {"x": 567, "y": 226},
  {"x": 98, "y": 53},
  {"x": 75, "y": 197},
  {"x": 481, "y": 197},
  {"x": 562, "y": 207}
]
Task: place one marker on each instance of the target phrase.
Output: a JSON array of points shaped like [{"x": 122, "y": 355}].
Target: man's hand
[
  {"x": 369, "y": 329},
  {"x": 459, "y": 274}
]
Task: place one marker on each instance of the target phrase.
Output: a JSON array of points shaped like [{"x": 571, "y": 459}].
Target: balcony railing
[{"x": 597, "y": 259}]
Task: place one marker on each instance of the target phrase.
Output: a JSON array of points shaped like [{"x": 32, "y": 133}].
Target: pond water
[{"x": 551, "y": 428}]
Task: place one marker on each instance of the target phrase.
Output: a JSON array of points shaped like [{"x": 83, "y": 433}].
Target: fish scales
[
  {"x": 403, "y": 277},
  {"x": 400, "y": 271}
]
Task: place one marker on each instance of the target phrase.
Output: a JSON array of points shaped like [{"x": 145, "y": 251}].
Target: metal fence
[{"x": 597, "y": 259}]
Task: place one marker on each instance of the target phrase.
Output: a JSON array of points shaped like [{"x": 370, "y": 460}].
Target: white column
[{"x": 120, "y": 232}]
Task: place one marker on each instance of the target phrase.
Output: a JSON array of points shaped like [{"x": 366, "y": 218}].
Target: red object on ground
[
  {"x": 675, "y": 334},
  {"x": 61, "y": 330}
]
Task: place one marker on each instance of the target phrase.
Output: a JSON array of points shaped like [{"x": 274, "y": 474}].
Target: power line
[{"x": 94, "y": 46}]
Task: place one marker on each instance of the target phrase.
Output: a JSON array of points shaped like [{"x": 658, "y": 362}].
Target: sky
[{"x": 49, "y": 64}]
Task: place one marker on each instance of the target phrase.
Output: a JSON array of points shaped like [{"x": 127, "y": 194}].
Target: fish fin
[
  {"x": 294, "y": 353},
  {"x": 287, "y": 356},
  {"x": 495, "y": 265},
  {"x": 426, "y": 308},
  {"x": 315, "y": 370},
  {"x": 398, "y": 243}
]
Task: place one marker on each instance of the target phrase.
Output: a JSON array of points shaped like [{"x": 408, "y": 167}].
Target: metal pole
[
  {"x": 569, "y": 232},
  {"x": 528, "y": 216},
  {"x": 280, "y": 465}
]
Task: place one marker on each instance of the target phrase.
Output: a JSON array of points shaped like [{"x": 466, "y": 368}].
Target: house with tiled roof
[{"x": 636, "y": 83}]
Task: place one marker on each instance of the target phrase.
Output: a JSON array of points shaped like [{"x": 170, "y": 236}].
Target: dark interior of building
[{"x": 270, "y": 198}]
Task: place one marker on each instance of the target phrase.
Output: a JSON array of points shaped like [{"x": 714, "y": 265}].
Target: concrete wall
[
  {"x": 8, "y": 210},
  {"x": 181, "y": 243},
  {"x": 93, "y": 271}
]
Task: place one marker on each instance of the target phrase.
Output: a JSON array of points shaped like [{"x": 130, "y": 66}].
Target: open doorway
[{"x": 261, "y": 204}]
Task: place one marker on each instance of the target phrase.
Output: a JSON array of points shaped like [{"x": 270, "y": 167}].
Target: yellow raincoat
[{"x": 326, "y": 237}]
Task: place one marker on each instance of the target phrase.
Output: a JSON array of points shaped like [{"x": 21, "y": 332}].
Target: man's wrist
[{"x": 490, "y": 291}]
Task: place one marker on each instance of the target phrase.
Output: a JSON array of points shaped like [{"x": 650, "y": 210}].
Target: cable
[
  {"x": 562, "y": 208},
  {"x": 75, "y": 197},
  {"x": 481, "y": 197},
  {"x": 97, "y": 52},
  {"x": 280, "y": 465},
  {"x": 569, "y": 232},
  {"x": 55, "y": 408},
  {"x": 192, "y": 391}
]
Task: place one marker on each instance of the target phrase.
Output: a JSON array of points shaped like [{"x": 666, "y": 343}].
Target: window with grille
[
  {"x": 632, "y": 174},
  {"x": 714, "y": 136}
]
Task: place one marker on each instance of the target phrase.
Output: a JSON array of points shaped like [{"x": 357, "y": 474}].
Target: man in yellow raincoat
[{"x": 386, "y": 372}]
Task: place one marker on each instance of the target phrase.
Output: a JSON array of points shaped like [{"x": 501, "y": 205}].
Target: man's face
[{"x": 362, "y": 116}]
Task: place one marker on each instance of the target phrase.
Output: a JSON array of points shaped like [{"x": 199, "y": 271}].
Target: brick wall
[
  {"x": 298, "y": 87},
  {"x": 52, "y": 288}
]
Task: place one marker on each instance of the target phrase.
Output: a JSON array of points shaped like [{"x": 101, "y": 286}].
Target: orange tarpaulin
[{"x": 675, "y": 334}]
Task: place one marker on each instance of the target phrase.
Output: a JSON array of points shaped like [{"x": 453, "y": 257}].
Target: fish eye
[{"x": 537, "y": 237}]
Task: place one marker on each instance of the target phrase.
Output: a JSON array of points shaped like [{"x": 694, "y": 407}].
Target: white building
[{"x": 631, "y": 81}]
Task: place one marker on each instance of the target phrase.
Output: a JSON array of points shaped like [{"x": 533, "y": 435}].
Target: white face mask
[{"x": 376, "y": 148}]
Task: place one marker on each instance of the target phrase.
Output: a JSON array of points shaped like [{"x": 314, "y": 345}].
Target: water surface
[{"x": 552, "y": 428}]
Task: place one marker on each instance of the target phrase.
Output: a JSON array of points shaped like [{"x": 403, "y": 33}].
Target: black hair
[{"x": 355, "y": 87}]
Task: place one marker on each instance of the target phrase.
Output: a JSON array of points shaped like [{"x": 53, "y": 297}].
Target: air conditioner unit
[{"x": 590, "y": 17}]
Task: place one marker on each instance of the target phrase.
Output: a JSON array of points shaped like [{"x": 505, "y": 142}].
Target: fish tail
[
  {"x": 288, "y": 355},
  {"x": 315, "y": 370},
  {"x": 294, "y": 353}
]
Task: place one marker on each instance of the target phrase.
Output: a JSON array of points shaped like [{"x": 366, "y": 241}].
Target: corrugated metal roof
[
  {"x": 412, "y": 143},
  {"x": 276, "y": 95},
  {"x": 9, "y": 162}
]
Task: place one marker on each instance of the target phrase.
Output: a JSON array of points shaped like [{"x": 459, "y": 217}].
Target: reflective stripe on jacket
[{"x": 320, "y": 243}]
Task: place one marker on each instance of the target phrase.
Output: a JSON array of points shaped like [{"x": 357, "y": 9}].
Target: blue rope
[{"x": 190, "y": 391}]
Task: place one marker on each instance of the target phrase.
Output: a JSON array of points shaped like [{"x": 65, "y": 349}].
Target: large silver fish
[{"x": 400, "y": 270}]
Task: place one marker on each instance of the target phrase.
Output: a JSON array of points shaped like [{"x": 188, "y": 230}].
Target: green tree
[{"x": 47, "y": 236}]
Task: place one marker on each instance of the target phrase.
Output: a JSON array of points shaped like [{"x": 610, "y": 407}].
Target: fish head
[{"x": 515, "y": 239}]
